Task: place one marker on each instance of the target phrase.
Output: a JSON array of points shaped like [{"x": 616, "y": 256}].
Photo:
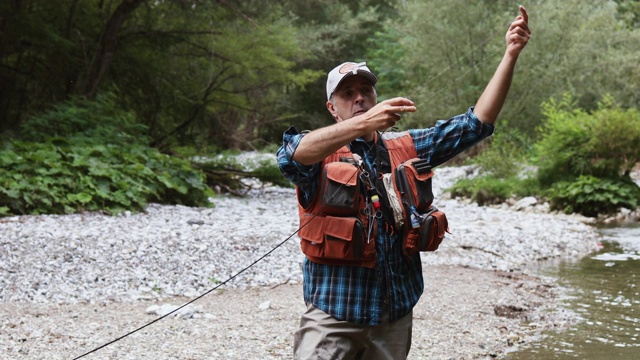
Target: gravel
[{"x": 72, "y": 283}]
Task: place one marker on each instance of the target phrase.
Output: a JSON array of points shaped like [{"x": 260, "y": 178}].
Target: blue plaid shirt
[{"x": 361, "y": 295}]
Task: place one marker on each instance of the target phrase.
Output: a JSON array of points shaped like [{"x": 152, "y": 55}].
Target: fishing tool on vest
[
  {"x": 371, "y": 219},
  {"x": 372, "y": 201},
  {"x": 375, "y": 200},
  {"x": 415, "y": 218}
]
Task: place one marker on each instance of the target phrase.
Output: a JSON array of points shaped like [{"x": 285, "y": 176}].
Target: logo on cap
[{"x": 349, "y": 67}]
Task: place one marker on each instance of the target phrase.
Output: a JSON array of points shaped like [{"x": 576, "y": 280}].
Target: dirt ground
[{"x": 464, "y": 314}]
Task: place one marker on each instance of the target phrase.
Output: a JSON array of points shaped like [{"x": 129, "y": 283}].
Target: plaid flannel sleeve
[
  {"x": 449, "y": 138},
  {"x": 303, "y": 176}
]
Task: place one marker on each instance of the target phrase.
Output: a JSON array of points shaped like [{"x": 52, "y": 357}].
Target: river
[{"x": 605, "y": 293}]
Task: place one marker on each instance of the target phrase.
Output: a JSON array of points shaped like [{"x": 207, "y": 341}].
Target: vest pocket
[
  {"x": 311, "y": 236},
  {"x": 413, "y": 179},
  {"x": 432, "y": 229},
  {"x": 336, "y": 238},
  {"x": 340, "y": 187},
  {"x": 429, "y": 235},
  {"x": 342, "y": 243}
]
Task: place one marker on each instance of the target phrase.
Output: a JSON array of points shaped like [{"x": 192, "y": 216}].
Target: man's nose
[{"x": 359, "y": 97}]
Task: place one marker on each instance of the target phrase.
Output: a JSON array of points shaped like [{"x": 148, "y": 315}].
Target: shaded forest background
[{"x": 136, "y": 82}]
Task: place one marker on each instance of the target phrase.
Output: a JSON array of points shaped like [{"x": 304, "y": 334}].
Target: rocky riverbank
[{"x": 72, "y": 283}]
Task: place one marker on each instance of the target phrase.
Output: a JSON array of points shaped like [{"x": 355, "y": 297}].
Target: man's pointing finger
[{"x": 525, "y": 16}]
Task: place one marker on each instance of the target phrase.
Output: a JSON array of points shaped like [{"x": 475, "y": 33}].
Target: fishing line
[
  {"x": 193, "y": 300},
  {"x": 464, "y": 57},
  {"x": 451, "y": 83},
  {"x": 461, "y": 76},
  {"x": 224, "y": 282}
]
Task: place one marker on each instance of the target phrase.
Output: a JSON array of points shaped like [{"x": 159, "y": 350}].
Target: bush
[
  {"x": 591, "y": 196},
  {"x": 51, "y": 179},
  {"x": 483, "y": 190},
  {"x": 586, "y": 158},
  {"x": 81, "y": 121},
  {"x": 489, "y": 189},
  {"x": 573, "y": 143},
  {"x": 501, "y": 164},
  {"x": 506, "y": 153},
  {"x": 89, "y": 155}
]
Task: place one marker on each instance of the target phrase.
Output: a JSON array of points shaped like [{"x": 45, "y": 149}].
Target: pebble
[{"x": 265, "y": 305}]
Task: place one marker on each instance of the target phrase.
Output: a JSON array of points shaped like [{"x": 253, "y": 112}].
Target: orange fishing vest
[{"x": 335, "y": 228}]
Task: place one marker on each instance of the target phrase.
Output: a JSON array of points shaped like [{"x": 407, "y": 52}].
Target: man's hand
[
  {"x": 385, "y": 114},
  {"x": 518, "y": 33}
]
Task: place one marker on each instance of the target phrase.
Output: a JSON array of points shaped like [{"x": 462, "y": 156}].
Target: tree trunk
[{"x": 107, "y": 47}]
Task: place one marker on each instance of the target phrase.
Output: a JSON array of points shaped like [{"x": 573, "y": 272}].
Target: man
[{"x": 360, "y": 282}]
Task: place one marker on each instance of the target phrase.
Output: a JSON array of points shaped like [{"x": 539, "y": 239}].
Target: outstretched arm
[
  {"x": 319, "y": 143},
  {"x": 492, "y": 99}
]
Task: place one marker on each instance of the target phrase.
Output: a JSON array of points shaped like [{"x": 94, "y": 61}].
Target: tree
[
  {"x": 211, "y": 71},
  {"x": 448, "y": 52},
  {"x": 333, "y": 31},
  {"x": 445, "y": 53}
]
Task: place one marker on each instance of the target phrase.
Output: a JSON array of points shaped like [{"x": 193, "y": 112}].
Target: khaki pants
[{"x": 321, "y": 336}]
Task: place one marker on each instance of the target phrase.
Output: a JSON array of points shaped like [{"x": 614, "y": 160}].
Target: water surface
[{"x": 605, "y": 293}]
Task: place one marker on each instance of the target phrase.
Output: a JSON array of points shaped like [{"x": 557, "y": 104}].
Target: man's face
[{"x": 355, "y": 96}]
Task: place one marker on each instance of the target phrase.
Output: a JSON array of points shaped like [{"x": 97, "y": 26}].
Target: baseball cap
[{"x": 346, "y": 70}]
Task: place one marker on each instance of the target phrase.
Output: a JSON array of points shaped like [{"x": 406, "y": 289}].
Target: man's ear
[{"x": 332, "y": 109}]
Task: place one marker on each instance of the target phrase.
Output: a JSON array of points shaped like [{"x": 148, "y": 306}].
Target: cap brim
[{"x": 364, "y": 73}]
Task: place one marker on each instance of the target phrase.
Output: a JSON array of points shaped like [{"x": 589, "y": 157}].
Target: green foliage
[
  {"x": 506, "y": 154},
  {"x": 235, "y": 74},
  {"x": 483, "y": 190},
  {"x": 586, "y": 157},
  {"x": 45, "y": 178},
  {"x": 80, "y": 121},
  {"x": 591, "y": 196},
  {"x": 502, "y": 162},
  {"x": 629, "y": 11},
  {"x": 333, "y": 31},
  {"x": 91, "y": 155},
  {"x": 381, "y": 57},
  {"x": 584, "y": 160},
  {"x": 222, "y": 75},
  {"x": 442, "y": 55},
  {"x": 268, "y": 171},
  {"x": 565, "y": 55},
  {"x": 38, "y": 57},
  {"x": 490, "y": 189},
  {"x": 234, "y": 93},
  {"x": 573, "y": 142},
  {"x": 443, "y": 52},
  {"x": 191, "y": 71}
]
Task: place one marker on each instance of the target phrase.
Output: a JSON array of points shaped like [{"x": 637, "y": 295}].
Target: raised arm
[{"x": 492, "y": 99}]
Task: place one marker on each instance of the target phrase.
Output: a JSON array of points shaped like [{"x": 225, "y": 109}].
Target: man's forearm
[
  {"x": 493, "y": 97},
  {"x": 320, "y": 143}
]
